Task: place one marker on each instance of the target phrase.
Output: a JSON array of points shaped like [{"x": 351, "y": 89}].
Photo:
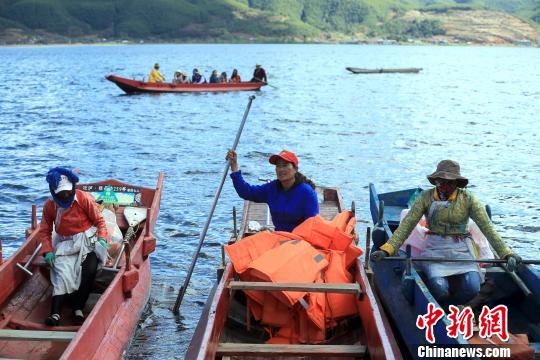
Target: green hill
[{"x": 239, "y": 20}]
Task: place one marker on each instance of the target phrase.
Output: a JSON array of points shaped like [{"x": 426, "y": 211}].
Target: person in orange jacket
[
  {"x": 75, "y": 242},
  {"x": 235, "y": 78}
]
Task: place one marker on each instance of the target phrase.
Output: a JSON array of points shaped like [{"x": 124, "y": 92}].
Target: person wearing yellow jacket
[
  {"x": 155, "y": 75},
  {"x": 447, "y": 208}
]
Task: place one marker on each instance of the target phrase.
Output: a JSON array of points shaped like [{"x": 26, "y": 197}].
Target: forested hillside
[{"x": 242, "y": 20}]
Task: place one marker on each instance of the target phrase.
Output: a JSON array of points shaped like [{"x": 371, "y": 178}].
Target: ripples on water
[{"x": 476, "y": 105}]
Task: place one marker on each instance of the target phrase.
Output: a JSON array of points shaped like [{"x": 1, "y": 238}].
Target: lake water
[{"x": 477, "y": 105}]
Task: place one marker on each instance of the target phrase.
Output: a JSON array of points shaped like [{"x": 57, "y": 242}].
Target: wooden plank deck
[
  {"x": 337, "y": 288},
  {"x": 34, "y": 335},
  {"x": 274, "y": 350}
]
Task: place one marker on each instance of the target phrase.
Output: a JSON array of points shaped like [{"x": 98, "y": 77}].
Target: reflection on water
[{"x": 476, "y": 105}]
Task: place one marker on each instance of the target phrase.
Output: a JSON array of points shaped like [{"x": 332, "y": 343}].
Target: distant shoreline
[{"x": 378, "y": 43}]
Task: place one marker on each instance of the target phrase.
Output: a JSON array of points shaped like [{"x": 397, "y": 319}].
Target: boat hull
[
  {"x": 114, "y": 313},
  {"x": 212, "y": 327},
  {"x": 403, "y": 307},
  {"x": 135, "y": 87},
  {"x": 384, "y": 71}
]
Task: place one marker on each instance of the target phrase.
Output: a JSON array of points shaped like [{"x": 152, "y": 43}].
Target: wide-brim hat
[
  {"x": 286, "y": 155},
  {"x": 448, "y": 170}
]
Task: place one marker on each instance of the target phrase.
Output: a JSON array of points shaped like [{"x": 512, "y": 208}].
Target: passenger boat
[
  {"x": 136, "y": 86},
  {"x": 355, "y": 70},
  {"x": 225, "y": 331},
  {"x": 405, "y": 296},
  {"x": 117, "y": 300}
]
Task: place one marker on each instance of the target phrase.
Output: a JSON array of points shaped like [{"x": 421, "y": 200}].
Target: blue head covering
[{"x": 53, "y": 178}]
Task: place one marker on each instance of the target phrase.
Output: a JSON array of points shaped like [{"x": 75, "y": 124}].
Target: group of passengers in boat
[
  {"x": 76, "y": 243},
  {"x": 181, "y": 77}
]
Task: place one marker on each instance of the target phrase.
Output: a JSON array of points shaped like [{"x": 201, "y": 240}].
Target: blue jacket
[{"x": 288, "y": 208}]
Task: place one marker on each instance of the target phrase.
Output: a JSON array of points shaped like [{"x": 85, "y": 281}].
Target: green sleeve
[
  {"x": 407, "y": 224},
  {"x": 480, "y": 217}
]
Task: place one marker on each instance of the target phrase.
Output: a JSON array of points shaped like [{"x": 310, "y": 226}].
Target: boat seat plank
[
  {"x": 34, "y": 335},
  {"x": 337, "y": 288},
  {"x": 273, "y": 350}
]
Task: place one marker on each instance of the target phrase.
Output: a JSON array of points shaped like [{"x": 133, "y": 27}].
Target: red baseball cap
[{"x": 284, "y": 155}]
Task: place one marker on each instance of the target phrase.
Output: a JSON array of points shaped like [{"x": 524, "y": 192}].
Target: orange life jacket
[
  {"x": 292, "y": 257},
  {"x": 287, "y": 334},
  {"x": 243, "y": 252},
  {"x": 351, "y": 255},
  {"x": 294, "y": 261},
  {"x": 317, "y": 307},
  {"x": 338, "y": 305},
  {"x": 308, "y": 332},
  {"x": 336, "y": 234},
  {"x": 275, "y": 313}
]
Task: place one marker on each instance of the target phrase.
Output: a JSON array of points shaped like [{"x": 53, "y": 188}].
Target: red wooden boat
[
  {"x": 225, "y": 331},
  {"x": 115, "y": 304},
  {"x": 136, "y": 86}
]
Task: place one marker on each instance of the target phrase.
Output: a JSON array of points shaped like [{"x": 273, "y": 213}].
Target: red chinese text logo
[
  {"x": 491, "y": 322},
  {"x": 494, "y": 322},
  {"x": 460, "y": 322},
  {"x": 429, "y": 320}
]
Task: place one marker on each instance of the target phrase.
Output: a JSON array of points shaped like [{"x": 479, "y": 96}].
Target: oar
[
  {"x": 265, "y": 83},
  {"x": 487, "y": 261},
  {"x": 182, "y": 290},
  {"x": 501, "y": 262}
]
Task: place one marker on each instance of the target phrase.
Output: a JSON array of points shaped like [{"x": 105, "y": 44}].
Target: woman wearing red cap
[{"x": 291, "y": 197}]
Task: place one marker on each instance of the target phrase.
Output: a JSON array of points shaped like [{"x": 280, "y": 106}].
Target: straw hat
[{"x": 448, "y": 170}]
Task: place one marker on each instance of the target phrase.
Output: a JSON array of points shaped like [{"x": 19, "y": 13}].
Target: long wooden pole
[
  {"x": 487, "y": 261},
  {"x": 183, "y": 289}
]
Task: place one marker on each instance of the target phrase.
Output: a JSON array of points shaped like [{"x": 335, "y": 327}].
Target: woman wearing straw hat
[
  {"x": 291, "y": 198},
  {"x": 447, "y": 208}
]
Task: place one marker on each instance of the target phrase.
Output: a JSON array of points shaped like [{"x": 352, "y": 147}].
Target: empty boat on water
[
  {"x": 355, "y": 70},
  {"x": 116, "y": 302},
  {"x": 137, "y": 87},
  {"x": 227, "y": 329}
]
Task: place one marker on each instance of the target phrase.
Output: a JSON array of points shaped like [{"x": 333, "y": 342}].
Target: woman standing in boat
[
  {"x": 447, "y": 208},
  {"x": 75, "y": 242},
  {"x": 291, "y": 198}
]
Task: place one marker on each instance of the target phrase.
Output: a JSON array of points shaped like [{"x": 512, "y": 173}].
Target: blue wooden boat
[{"x": 404, "y": 293}]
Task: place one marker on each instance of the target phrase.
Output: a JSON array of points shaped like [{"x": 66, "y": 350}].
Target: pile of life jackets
[{"x": 317, "y": 251}]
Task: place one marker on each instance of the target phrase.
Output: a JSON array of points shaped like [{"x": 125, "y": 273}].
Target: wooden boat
[
  {"x": 136, "y": 86},
  {"x": 355, "y": 70},
  {"x": 115, "y": 304},
  {"x": 223, "y": 332},
  {"x": 404, "y": 297}
]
